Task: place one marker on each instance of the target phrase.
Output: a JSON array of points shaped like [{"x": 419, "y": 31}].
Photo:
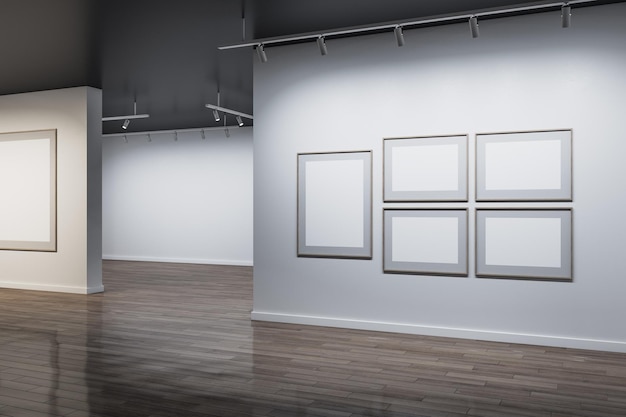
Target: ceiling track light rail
[
  {"x": 398, "y": 26},
  {"x": 127, "y": 118},
  {"x": 228, "y": 111},
  {"x": 175, "y": 133}
]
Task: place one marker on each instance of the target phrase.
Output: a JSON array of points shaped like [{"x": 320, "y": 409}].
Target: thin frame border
[
  {"x": 365, "y": 252},
  {"x": 435, "y": 196},
  {"x": 504, "y": 272},
  {"x": 33, "y": 246},
  {"x": 567, "y": 190},
  {"x": 462, "y": 265}
]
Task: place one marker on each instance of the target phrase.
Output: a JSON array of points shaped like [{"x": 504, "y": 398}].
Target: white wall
[
  {"x": 76, "y": 266},
  {"x": 523, "y": 73},
  {"x": 184, "y": 201}
]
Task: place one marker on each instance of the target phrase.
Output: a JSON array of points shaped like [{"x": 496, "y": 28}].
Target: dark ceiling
[{"x": 163, "y": 53}]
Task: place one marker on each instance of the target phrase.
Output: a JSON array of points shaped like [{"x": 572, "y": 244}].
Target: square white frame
[
  {"x": 532, "y": 166},
  {"x": 432, "y": 172},
  {"x": 364, "y": 249},
  {"x": 436, "y": 267},
  {"x": 49, "y": 245},
  {"x": 538, "y": 272}
]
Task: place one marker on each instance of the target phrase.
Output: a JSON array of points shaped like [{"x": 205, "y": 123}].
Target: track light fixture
[
  {"x": 172, "y": 133},
  {"x": 149, "y": 137},
  {"x": 321, "y": 43},
  {"x": 260, "y": 50},
  {"x": 127, "y": 118},
  {"x": 566, "y": 15},
  {"x": 228, "y": 111},
  {"x": 125, "y": 139},
  {"x": 226, "y": 131},
  {"x": 217, "y": 109},
  {"x": 176, "y": 136},
  {"x": 452, "y": 18},
  {"x": 473, "y": 23},
  {"x": 398, "y": 31}
]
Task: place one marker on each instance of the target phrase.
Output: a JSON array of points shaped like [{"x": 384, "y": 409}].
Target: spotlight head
[
  {"x": 227, "y": 132},
  {"x": 126, "y": 123},
  {"x": 321, "y": 43},
  {"x": 566, "y": 15},
  {"x": 260, "y": 50},
  {"x": 399, "y": 35},
  {"x": 203, "y": 135},
  {"x": 239, "y": 120},
  {"x": 216, "y": 115},
  {"x": 473, "y": 22}
]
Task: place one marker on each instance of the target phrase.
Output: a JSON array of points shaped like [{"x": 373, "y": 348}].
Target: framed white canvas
[
  {"x": 425, "y": 241},
  {"x": 425, "y": 168},
  {"x": 28, "y": 191},
  {"x": 335, "y": 205},
  {"x": 524, "y": 166},
  {"x": 524, "y": 243}
]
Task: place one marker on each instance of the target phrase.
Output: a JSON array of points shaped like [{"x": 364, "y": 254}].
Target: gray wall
[
  {"x": 523, "y": 73},
  {"x": 178, "y": 201},
  {"x": 76, "y": 266}
]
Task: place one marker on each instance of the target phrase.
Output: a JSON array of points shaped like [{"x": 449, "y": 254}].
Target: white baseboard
[
  {"x": 528, "y": 339},
  {"x": 178, "y": 260},
  {"x": 52, "y": 288}
]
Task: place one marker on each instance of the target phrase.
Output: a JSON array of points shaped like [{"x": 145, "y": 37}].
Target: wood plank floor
[{"x": 176, "y": 340}]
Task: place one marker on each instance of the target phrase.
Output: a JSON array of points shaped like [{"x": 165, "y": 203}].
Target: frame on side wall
[
  {"x": 28, "y": 191},
  {"x": 335, "y": 205},
  {"x": 524, "y": 244},
  {"x": 432, "y": 168},
  {"x": 524, "y": 166},
  {"x": 425, "y": 241}
]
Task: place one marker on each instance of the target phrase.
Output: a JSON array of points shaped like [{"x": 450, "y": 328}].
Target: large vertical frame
[
  {"x": 524, "y": 166},
  {"x": 335, "y": 205},
  {"x": 430, "y": 168},
  {"x": 28, "y": 191},
  {"x": 524, "y": 243}
]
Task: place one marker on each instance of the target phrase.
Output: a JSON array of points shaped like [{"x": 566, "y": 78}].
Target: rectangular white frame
[
  {"x": 539, "y": 169},
  {"x": 362, "y": 250},
  {"x": 49, "y": 245},
  {"x": 431, "y": 164},
  {"x": 436, "y": 266},
  {"x": 538, "y": 272}
]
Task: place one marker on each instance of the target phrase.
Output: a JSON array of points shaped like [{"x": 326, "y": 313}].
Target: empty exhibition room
[{"x": 282, "y": 208}]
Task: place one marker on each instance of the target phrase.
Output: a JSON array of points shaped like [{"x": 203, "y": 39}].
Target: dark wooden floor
[{"x": 176, "y": 340}]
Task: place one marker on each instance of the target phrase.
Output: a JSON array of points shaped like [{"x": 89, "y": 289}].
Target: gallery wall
[
  {"x": 187, "y": 200},
  {"x": 523, "y": 73},
  {"x": 75, "y": 264}
]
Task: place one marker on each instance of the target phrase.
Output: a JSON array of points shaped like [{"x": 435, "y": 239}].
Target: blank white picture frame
[
  {"x": 432, "y": 168},
  {"x": 335, "y": 205},
  {"x": 425, "y": 241},
  {"x": 28, "y": 191},
  {"x": 524, "y": 243},
  {"x": 524, "y": 166}
]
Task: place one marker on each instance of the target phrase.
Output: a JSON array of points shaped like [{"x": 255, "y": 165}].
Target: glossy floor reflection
[{"x": 177, "y": 340}]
